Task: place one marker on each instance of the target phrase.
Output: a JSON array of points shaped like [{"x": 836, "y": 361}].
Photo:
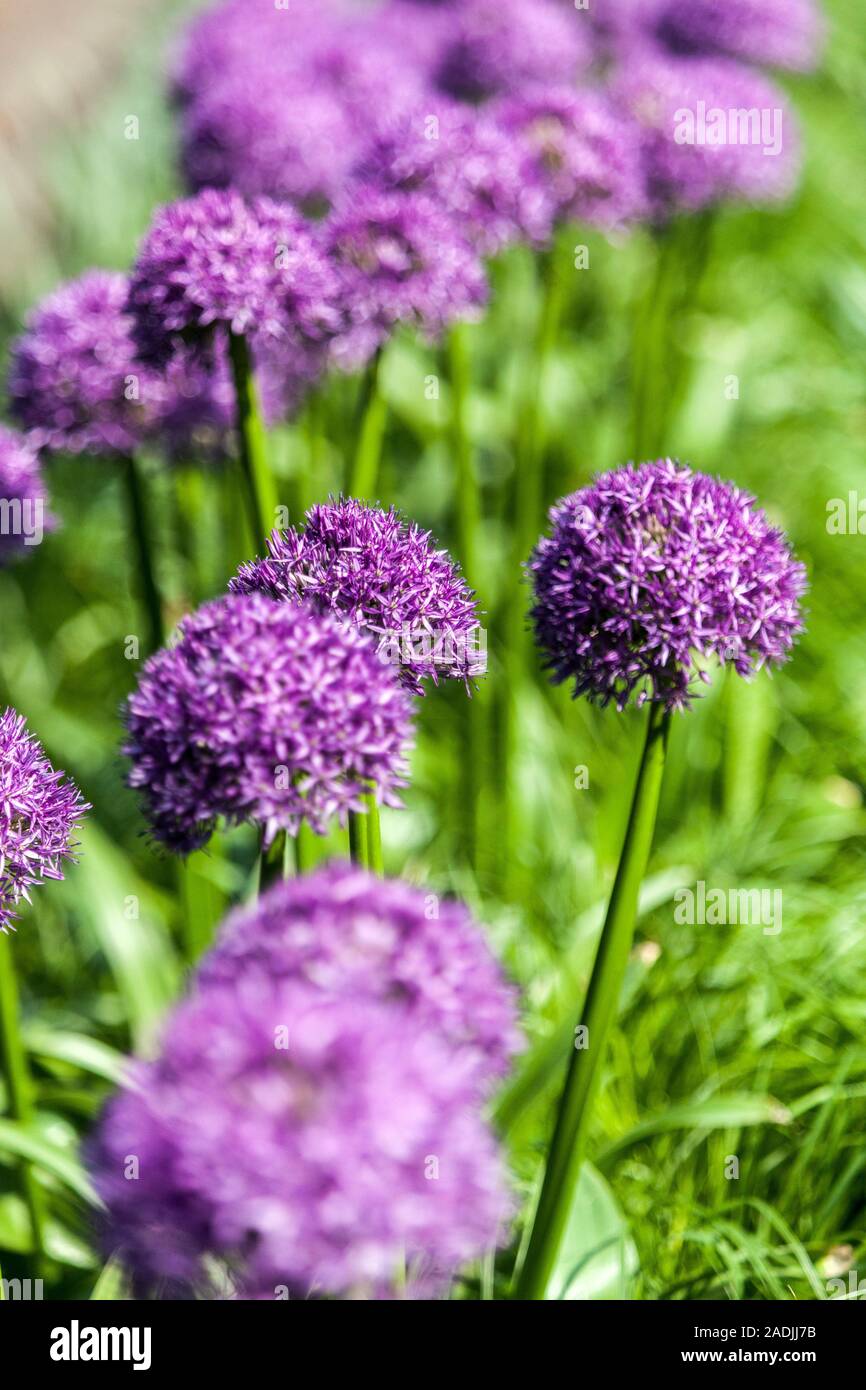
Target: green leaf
[
  {"x": 111, "y": 1284},
  {"x": 597, "y": 1257},
  {"x": 719, "y": 1112},
  {"x": 23, "y": 1143},
  {"x": 88, "y": 1054}
]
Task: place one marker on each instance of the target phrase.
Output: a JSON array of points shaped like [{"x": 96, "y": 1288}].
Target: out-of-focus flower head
[
  {"x": 218, "y": 261},
  {"x": 40, "y": 810},
  {"x": 263, "y": 712},
  {"x": 651, "y": 566},
  {"x": 24, "y": 515},
  {"x": 466, "y": 162},
  {"x": 772, "y": 33},
  {"x": 498, "y": 46},
  {"x": 580, "y": 153},
  {"x": 342, "y": 929},
  {"x": 400, "y": 259},
  {"x": 713, "y": 131},
  {"x": 310, "y": 1142}
]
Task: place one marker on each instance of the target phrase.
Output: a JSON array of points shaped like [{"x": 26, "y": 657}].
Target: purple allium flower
[
  {"x": 74, "y": 382},
  {"x": 580, "y": 152},
  {"x": 193, "y": 407},
  {"x": 777, "y": 33},
  {"x": 39, "y": 813},
  {"x": 469, "y": 164},
  {"x": 651, "y": 566},
  {"x": 263, "y": 712},
  {"x": 712, "y": 130},
  {"x": 309, "y": 1142},
  {"x": 497, "y": 46},
  {"x": 400, "y": 259},
  {"x": 217, "y": 261},
  {"x": 384, "y": 575},
  {"x": 341, "y": 929},
  {"x": 24, "y": 515}
]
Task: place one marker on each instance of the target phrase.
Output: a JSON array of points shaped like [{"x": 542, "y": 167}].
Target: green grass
[{"x": 729, "y": 1042}]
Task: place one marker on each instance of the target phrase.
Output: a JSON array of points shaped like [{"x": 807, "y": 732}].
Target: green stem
[
  {"x": 374, "y": 836},
  {"x": 370, "y": 434},
  {"x": 19, "y": 1086},
  {"x": 277, "y": 861},
  {"x": 145, "y": 579},
  {"x": 261, "y": 490},
  {"x": 584, "y": 1070},
  {"x": 358, "y": 838}
]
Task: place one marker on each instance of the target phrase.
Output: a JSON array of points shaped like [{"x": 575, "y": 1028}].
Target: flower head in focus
[
  {"x": 651, "y": 566},
  {"x": 383, "y": 574},
  {"x": 342, "y": 929},
  {"x": 307, "y": 1140},
  {"x": 263, "y": 712},
  {"x": 39, "y": 813}
]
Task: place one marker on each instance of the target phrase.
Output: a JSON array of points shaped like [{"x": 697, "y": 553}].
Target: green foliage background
[{"x": 730, "y": 1042}]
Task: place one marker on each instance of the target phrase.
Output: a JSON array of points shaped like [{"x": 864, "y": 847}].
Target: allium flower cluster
[
  {"x": 39, "y": 813},
  {"x": 772, "y": 33},
  {"x": 311, "y": 1142},
  {"x": 652, "y": 566},
  {"x": 579, "y": 152},
  {"x": 712, "y": 130},
  {"x": 399, "y": 259},
  {"x": 468, "y": 164},
  {"x": 24, "y": 515},
  {"x": 497, "y": 46},
  {"x": 217, "y": 261},
  {"x": 341, "y": 929},
  {"x": 263, "y": 712},
  {"x": 384, "y": 575}
]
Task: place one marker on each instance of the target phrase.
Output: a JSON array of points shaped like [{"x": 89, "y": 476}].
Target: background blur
[{"x": 733, "y": 1043}]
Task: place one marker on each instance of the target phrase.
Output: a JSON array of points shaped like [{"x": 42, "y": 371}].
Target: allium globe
[
  {"x": 400, "y": 259},
  {"x": 342, "y": 929},
  {"x": 651, "y": 567},
  {"x": 383, "y": 574},
  {"x": 713, "y": 130},
  {"x": 263, "y": 712},
  {"x": 39, "y": 813},
  {"x": 217, "y": 261},
  {"x": 580, "y": 153},
  {"x": 308, "y": 1142},
  {"x": 771, "y": 33},
  {"x": 24, "y": 515},
  {"x": 497, "y": 46}
]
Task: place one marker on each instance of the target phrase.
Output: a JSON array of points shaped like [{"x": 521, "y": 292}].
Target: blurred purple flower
[
  {"x": 399, "y": 259},
  {"x": 24, "y": 515},
  {"x": 774, "y": 33},
  {"x": 39, "y": 814},
  {"x": 713, "y": 130},
  {"x": 466, "y": 162},
  {"x": 649, "y": 566},
  {"x": 312, "y": 1142},
  {"x": 383, "y": 574},
  {"x": 217, "y": 261},
  {"x": 582, "y": 155},
  {"x": 497, "y": 46},
  {"x": 263, "y": 712},
  {"x": 343, "y": 930}
]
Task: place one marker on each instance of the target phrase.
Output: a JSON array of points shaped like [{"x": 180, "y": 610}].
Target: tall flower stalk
[
  {"x": 599, "y": 1012},
  {"x": 19, "y": 1086},
  {"x": 144, "y": 577},
  {"x": 253, "y": 443},
  {"x": 372, "y": 419}
]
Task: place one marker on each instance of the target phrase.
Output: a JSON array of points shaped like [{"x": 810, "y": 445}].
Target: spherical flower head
[
  {"x": 342, "y": 929},
  {"x": 39, "y": 814},
  {"x": 581, "y": 154},
  {"x": 263, "y": 712},
  {"x": 193, "y": 408},
  {"x": 400, "y": 259},
  {"x": 775, "y": 33},
  {"x": 498, "y": 46},
  {"x": 310, "y": 1142},
  {"x": 652, "y": 566},
  {"x": 383, "y": 574},
  {"x": 466, "y": 162},
  {"x": 217, "y": 261},
  {"x": 24, "y": 515},
  {"x": 74, "y": 381},
  {"x": 713, "y": 131}
]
